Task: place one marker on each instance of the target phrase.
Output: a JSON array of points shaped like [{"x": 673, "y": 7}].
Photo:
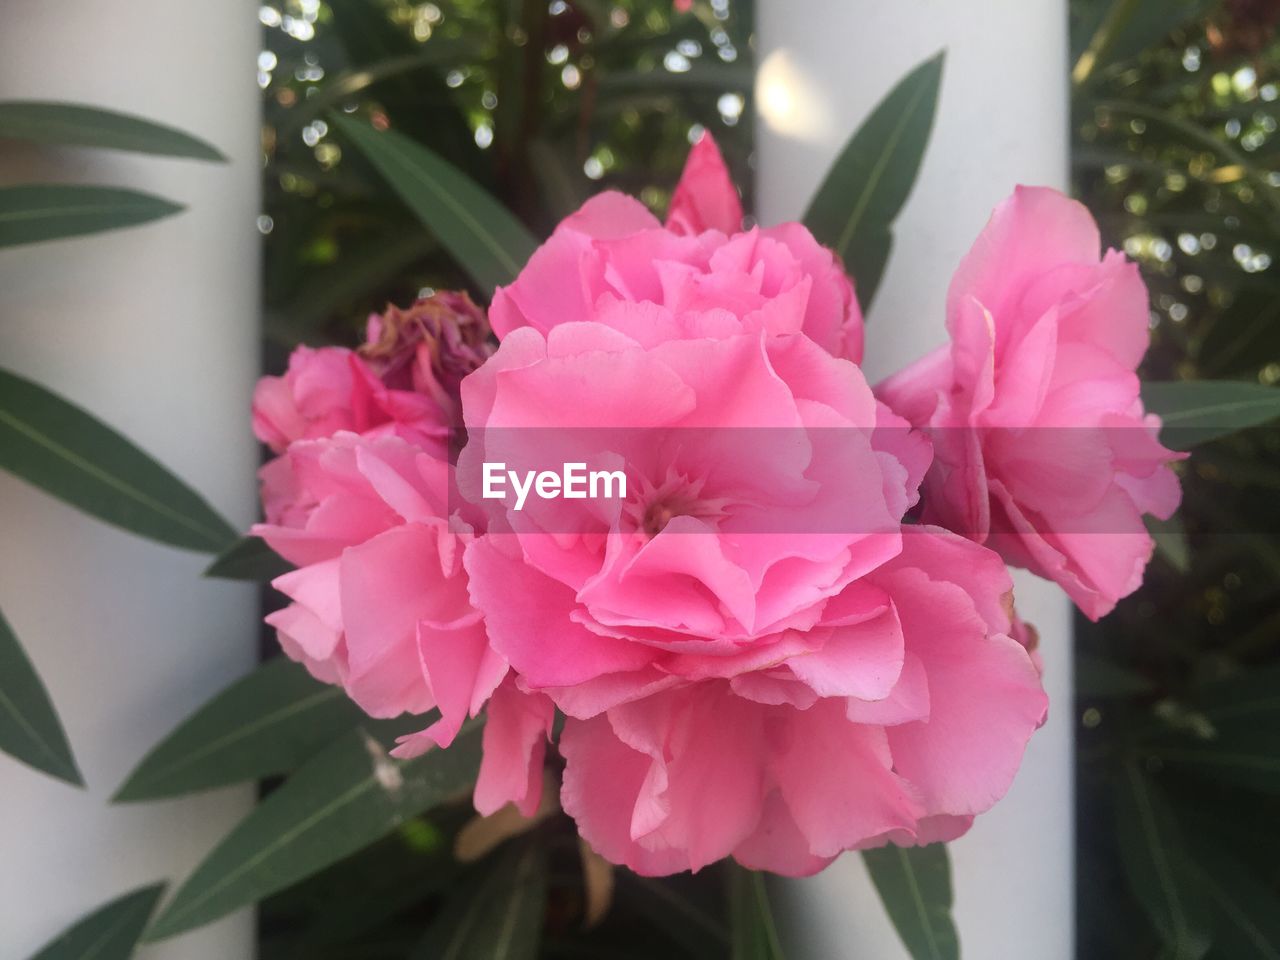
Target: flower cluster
[{"x": 795, "y": 634}]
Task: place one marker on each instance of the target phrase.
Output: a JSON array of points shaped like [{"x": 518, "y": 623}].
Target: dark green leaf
[
  {"x": 420, "y": 105},
  {"x": 266, "y": 723},
  {"x": 328, "y": 291},
  {"x": 1171, "y": 541},
  {"x": 340, "y": 801},
  {"x": 1245, "y": 909},
  {"x": 485, "y": 239},
  {"x": 1157, "y": 866},
  {"x": 752, "y": 931},
  {"x": 498, "y": 918},
  {"x": 81, "y": 126},
  {"x": 1197, "y": 411},
  {"x": 1130, "y": 27},
  {"x": 29, "y": 726},
  {"x": 855, "y": 207},
  {"x": 64, "y": 451},
  {"x": 249, "y": 558},
  {"x": 109, "y": 933},
  {"x": 717, "y": 77},
  {"x": 32, "y": 213},
  {"x": 915, "y": 885}
]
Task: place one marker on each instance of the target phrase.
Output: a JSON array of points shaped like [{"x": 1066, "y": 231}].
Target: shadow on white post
[
  {"x": 154, "y": 329},
  {"x": 1002, "y": 120}
]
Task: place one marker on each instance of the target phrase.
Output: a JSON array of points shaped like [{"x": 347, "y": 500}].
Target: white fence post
[
  {"x": 1002, "y": 120},
  {"x": 154, "y": 329}
]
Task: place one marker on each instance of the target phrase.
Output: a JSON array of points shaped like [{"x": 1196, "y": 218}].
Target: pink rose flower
[
  {"x": 1042, "y": 447},
  {"x": 380, "y": 600},
  {"x": 612, "y": 262},
  {"x": 751, "y": 613}
]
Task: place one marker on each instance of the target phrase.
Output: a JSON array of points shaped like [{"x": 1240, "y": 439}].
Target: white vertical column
[
  {"x": 1002, "y": 120},
  {"x": 154, "y": 329}
]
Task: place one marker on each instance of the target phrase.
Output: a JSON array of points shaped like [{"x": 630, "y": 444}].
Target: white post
[
  {"x": 1002, "y": 120},
  {"x": 154, "y": 329}
]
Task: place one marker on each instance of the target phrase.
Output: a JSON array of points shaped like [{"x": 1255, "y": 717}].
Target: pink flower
[
  {"x": 330, "y": 389},
  {"x": 429, "y": 347},
  {"x": 380, "y": 596},
  {"x": 705, "y": 198},
  {"x": 403, "y": 382},
  {"x": 749, "y": 650},
  {"x": 1042, "y": 447},
  {"x": 612, "y": 262}
]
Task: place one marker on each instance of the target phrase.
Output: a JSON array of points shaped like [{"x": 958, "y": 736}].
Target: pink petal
[{"x": 705, "y": 198}]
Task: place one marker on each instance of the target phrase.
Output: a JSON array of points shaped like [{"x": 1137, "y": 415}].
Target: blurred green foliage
[
  {"x": 1175, "y": 151},
  {"x": 542, "y": 102}
]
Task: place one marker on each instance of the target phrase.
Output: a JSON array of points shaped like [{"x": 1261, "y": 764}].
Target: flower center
[{"x": 656, "y": 505}]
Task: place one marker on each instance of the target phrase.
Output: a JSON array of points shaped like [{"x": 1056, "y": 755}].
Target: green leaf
[
  {"x": 325, "y": 292},
  {"x": 29, "y": 726},
  {"x": 1157, "y": 866},
  {"x": 32, "y": 213},
  {"x": 339, "y": 802},
  {"x": 249, "y": 558},
  {"x": 266, "y": 723},
  {"x": 753, "y": 934},
  {"x": 80, "y": 126},
  {"x": 1171, "y": 541},
  {"x": 109, "y": 933},
  {"x": 64, "y": 451},
  {"x": 498, "y": 918},
  {"x": 915, "y": 885},
  {"x": 1197, "y": 411},
  {"x": 1245, "y": 909},
  {"x": 486, "y": 240},
  {"x": 864, "y": 190},
  {"x": 1130, "y": 27}
]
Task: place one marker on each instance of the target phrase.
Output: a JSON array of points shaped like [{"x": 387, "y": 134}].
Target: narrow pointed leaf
[
  {"x": 267, "y": 723},
  {"x": 249, "y": 558},
  {"x": 77, "y": 125},
  {"x": 109, "y": 933},
  {"x": 753, "y": 934},
  {"x": 343, "y": 799},
  {"x": 487, "y": 241},
  {"x": 866, "y": 187},
  {"x": 66, "y": 452},
  {"x": 29, "y": 727},
  {"x": 1160, "y": 873},
  {"x": 32, "y": 213},
  {"x": 498, "y": 918},
  {"x": 915, "y": 885},
  {"x": 1197, "y": 411},
  {"x": 1171, "y": 541}
]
